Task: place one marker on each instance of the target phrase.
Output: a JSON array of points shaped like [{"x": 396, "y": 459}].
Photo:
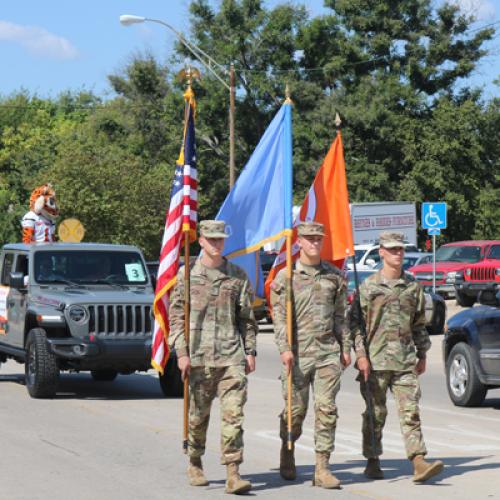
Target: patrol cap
[
  {"x": 213, "y": 229},
  {"x": 310, "y": 229},
  {"x": 391, "y": 240}
]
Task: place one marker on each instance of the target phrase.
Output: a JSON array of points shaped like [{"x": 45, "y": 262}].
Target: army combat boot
[
  {"x": 373, "y": 470},
  {"x": 195, "y": 472},
  {"x": 322, "y": 475},
  {"x": 425, "y": 470},
  {"x": 234, "y": 483},
  {"x": 287, "y": 463}
]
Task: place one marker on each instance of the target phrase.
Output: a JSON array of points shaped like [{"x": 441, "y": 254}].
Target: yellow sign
[{"x": 71, "y": 231}]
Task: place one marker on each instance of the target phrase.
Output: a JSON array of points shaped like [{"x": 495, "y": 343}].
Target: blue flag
[{"x": 259, "y": 207}]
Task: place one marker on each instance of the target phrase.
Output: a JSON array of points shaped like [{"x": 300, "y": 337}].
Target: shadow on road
[
  {"x": 83, "y": 386},
  {"x": 491, "y": 403},
  {"x": 394, "y": 470}
]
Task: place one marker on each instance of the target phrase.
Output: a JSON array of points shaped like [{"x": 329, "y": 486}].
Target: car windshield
[
  {"x": 358, "y": 254},
  {"x": 457, "y": 253},
  {"x": 494, "y": 252},
  {"x": 267, "y": 260},
  {"x": 89, "y": 267}
]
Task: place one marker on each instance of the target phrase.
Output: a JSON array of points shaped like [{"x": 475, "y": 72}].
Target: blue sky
[{"x": 53, "y": 45}]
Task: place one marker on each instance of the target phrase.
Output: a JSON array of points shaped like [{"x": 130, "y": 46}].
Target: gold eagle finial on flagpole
[{"x": 288, "y": 99}]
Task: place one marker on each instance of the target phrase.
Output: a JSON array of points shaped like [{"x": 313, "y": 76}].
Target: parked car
[
  {"x": 78, "y": 307},
  {"x": 471, "y": 351},
  {"x": 367, "y": 256},
  {"x": 411, "y": 259},
  {"x": 451, "y": 260},
  {"x": 435, "y": 306},
  {"x": 483, "y": 275}
]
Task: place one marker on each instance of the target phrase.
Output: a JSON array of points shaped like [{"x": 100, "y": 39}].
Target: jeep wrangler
[{"x": 77, "y": 307}]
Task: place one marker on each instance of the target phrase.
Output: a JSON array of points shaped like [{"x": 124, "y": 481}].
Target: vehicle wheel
[
  {"x": 41, "y": 368},
  {"x": 171, "y": 382},
  {"x": 438, "y": 318},
  {"x": 464, "y": 386},
  {"x": 104, "y": 375},
  {"x": 464, "y": 300}
]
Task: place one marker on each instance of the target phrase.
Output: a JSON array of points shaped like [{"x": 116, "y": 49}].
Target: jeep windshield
[
  {"x": 458, "y": 253},
  {"x": 86, "y": 267},
  {"x": 358, "y": 255}
]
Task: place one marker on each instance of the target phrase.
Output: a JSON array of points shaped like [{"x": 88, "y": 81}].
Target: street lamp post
[{"x": 211, "y": 65}]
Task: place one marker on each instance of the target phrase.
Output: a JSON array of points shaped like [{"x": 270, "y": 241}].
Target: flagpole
[
  {"x": 187, "y": 275},
  {"x": 289, "y": 326},
  {"x": 187, "y": 312},
  {"x": 289, "y": 307}
]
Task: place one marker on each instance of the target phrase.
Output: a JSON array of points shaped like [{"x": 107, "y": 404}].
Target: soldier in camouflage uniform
[
  {"x": 221, "y": 352},
  {"x": 321, "y": 347},
  {"x": 393, "y": 307}
]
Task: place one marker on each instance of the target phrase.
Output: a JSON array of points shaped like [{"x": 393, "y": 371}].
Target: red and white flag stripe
[{"x": 180, "y": 220}]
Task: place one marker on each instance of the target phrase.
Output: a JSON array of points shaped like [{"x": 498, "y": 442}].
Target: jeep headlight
[
  {"x": 78, "y": 314},
  {"x": 497, "y": 271}
]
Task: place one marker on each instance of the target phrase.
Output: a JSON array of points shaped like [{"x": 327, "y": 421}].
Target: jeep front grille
[
  {"x": 483, "y": 274},
  {"x": 120, "y": 320},
  {"x": 425, "y": 277}
]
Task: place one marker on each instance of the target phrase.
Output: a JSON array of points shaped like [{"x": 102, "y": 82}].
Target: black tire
[
  {"x": 464, "y": 300},
  {"x": 438, "y": 319},
  {"x": 41, "y": 368},
  {"x": 171, "y": 382},
  {"x": 462, "y": 381},
  {"x": 104, "y": 375}
]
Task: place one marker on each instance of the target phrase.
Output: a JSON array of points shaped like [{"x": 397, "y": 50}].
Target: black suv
[{"x": 471, "y": 350}]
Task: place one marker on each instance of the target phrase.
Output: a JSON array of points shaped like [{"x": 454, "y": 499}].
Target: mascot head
[{"x": 43, "y": 202}]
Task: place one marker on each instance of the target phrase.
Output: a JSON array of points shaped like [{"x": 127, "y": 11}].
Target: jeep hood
[
  {"x": 92, "y": 296},
  {"x": 471, "y": 314},
  {"x": 440, "y": 267}
]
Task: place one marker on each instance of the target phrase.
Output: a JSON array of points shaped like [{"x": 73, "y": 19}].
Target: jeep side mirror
[{"x": 17, "y": 280}]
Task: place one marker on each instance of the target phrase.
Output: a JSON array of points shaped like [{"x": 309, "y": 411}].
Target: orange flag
[{"x": 326, "y": 202}]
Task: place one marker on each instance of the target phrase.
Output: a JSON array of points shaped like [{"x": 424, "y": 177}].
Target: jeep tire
[
  {"x": 171, "y": 381},
  {"x": 104, "y": 375},
  {"x": 438, "y": 319},
  {"x": 41, "y": 368},
  {"x": 462, "y": 382},
  {"x": 464, "y": 300}
]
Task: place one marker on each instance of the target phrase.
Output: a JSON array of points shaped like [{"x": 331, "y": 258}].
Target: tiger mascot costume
[{"x": 39, "y": 223}]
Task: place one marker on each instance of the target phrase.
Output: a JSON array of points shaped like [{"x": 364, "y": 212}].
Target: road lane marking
[
  {"x": 457, "y": 430},
  {"x": 348, "y": 442}
]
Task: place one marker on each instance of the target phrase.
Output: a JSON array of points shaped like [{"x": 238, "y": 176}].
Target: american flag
[{"x": 180, "y": 220}]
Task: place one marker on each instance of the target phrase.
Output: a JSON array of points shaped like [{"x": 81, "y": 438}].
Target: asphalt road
[{"x": 122, "y": 439}]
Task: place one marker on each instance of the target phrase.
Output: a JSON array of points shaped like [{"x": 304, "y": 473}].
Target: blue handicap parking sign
[{"x": 434, "y": 215}]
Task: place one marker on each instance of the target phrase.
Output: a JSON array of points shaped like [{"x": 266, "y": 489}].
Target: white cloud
[
  {"x": 482, "y": 10},
  {"x": 37, "y": 41}
]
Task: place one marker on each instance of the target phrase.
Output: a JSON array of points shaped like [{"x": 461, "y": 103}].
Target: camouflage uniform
[
  {"x": 319, "y": 336},
  {"x": 394, "y": 311},
  {"x": 222, "y": 331}
]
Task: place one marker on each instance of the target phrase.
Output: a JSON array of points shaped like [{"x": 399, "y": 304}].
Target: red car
[
  {"x": 484, "y": 275},
  {"x": 451, "y": 261}
]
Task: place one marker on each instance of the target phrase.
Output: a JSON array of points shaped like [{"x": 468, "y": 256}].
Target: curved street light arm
[{"x": 198, "y": 53}]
